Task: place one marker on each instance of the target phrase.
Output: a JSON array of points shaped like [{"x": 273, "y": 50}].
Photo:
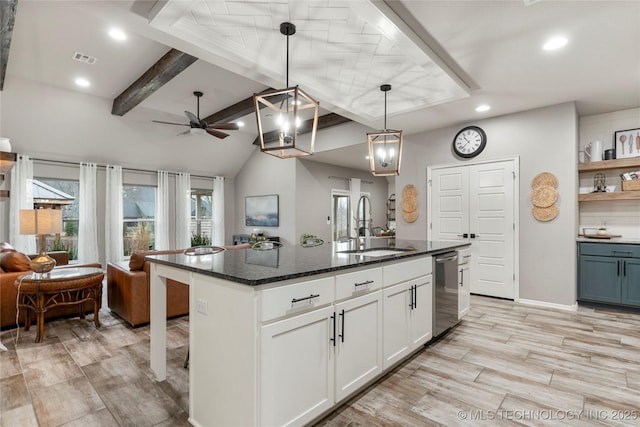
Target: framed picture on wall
[
  {"x": 261, "y": 211},
  {"x": 627, "y": 143}
]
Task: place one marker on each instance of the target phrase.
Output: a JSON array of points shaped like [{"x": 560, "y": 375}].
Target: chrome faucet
[{"x": 364, "y": 223}]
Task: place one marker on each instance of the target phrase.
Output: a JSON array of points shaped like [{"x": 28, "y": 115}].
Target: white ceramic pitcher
[{"x": 593, "y": 150}]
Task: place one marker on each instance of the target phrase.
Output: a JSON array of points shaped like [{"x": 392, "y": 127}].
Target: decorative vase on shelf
[{"x": 5, "y": 145}]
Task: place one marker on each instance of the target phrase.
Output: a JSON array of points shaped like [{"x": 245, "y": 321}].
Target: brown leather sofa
[
  {"x": 128, "y": 292},
  {"x": 14, "y": 264}
]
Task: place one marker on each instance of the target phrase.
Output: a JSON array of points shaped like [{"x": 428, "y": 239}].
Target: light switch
[{"x": 202, "y": 306}]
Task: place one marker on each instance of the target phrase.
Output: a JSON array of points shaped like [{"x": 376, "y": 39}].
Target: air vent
[
  {"x": 530, "y": 2},
  {"x": 85, "y": 58}
]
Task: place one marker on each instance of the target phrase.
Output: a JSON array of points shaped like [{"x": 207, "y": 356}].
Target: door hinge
[
  {"x": 514, "y": 226},
  {"x": 514, "y": 276},
  {"x": 429, "y": 182},
  {"x": 430, "y": 226},
  {"x": 514, "y": 174}
]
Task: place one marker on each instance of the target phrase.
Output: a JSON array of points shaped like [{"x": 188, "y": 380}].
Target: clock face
[{"x": 469, "y": 142}]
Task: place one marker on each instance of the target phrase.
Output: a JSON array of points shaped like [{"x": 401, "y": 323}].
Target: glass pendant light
[
  {"x": 284, "y": 113},
  {"x": 385, "y": 147}
]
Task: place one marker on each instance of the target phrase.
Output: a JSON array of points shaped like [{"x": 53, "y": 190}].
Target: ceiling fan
[{"x": 199, "y": 127}]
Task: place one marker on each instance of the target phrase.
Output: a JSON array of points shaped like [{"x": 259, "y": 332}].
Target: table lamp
[{"x": 41, "y": 222}]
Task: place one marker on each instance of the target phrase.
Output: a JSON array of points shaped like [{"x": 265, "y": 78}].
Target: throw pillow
[{"x": 16, "y": 261}]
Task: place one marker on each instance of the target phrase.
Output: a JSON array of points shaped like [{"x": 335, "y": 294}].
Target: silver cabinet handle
[
  {"x": 295, "y": 300},
  {"x": 451, "y": 258}
]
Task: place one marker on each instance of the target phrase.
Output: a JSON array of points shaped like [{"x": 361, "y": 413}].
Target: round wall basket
[
  {"x": 544, "y": 178},
  {"x": 544, "y": 196},
  {"x": 545, "y": 214},
  {"x": 409, "y": 203}
]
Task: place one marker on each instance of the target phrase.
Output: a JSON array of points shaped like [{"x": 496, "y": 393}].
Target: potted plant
[{"x": 602, "y": 231}]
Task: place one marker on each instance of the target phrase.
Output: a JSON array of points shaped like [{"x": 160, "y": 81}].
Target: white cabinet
[
  {"x": 297, "y": 371},
  {"x": 408, "y": 309},
  {"x": 464, "y": 289},
  {"x": 358, "y": 349}
]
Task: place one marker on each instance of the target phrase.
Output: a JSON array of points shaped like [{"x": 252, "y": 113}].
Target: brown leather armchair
[
  {"x": 128, "y": 291},
  {"x": 14, "y": 264}
]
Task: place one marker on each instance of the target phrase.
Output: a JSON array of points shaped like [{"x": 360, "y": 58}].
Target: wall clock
[{"x": 469, "y": 142}]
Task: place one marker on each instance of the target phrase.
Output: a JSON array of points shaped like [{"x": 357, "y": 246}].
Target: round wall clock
[{"x": 469, "y": 142}]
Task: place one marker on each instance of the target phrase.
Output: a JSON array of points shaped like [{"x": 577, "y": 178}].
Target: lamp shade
[
  {"x": 40, "y": 221},
  {"x": 385, "y": 152},
  {"x": 283, "y": 114}
]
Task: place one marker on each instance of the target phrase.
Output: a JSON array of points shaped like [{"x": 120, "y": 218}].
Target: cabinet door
[
  {"x": 359, "y": 343},
  {"x": 464, "y": 293},
  {"x": 395, "y": 329},
  {"x": 421, "y": 313},
  {"x": 599, "y": 279},
  {"x": 631, "y": 282},
  {"x": 297, "y": 369}
]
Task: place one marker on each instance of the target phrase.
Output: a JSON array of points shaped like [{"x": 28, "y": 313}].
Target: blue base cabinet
[{"x": 609, "y": 273}]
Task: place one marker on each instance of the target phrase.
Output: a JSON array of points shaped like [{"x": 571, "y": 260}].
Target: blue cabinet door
[
  {"x": 599, "y": 279},
  {"x": 631, "y": 282}
]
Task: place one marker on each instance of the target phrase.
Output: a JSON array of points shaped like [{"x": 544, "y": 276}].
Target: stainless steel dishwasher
[{"x": 445, "y": 292}]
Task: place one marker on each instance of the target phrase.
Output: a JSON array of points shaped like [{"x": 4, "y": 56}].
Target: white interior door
[
  {"x": 491, "y": 219},
  {"x": 479, "y": 200},
  {"x": 449, "y": 203}
]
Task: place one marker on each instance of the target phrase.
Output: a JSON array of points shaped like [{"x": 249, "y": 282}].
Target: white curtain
[
  {"x": 113, "y": 227},
  {"x": 87, "y": 214},
  {"x": 162, "y": 212},
  {"x": 183, "y": 210},
  {"x": 21, "y": 198},
  {"x": 354, "y": 197},
  {"x": 217, "y": 214}
]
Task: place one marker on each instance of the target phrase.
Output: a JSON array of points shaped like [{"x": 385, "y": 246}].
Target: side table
[{"x": 64, "y": 286}]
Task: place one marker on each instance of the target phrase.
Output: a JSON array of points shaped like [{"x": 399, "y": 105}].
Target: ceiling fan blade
[
  {"x": 217, "y": 133},
  {"x": 192, "y": 118},
  {"x": 225, "y": 126},
  {"x": 185, "y": 132},
  {"x": 169, "y": 123}
]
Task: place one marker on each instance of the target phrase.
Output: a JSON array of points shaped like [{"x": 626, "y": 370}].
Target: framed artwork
[
  {"x": 261, "y": 211},
  {"x": 627, "y": 143}
]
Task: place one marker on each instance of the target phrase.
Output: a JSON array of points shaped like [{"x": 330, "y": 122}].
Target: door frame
[
  {"x": 338, "y": 192},
  {"x": 516, "y": 209}
]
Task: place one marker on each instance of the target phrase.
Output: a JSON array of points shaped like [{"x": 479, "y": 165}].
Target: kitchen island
[{"x": 282, "y": 336}]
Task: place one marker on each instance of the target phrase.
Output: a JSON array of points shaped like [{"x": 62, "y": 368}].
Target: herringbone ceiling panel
[{"x": 341, "y": 53}]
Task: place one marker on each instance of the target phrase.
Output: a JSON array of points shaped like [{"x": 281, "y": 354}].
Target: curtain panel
[
  {"x": 217, "y": 217},
  {"x": 87, "y": 214},
  {"x": 183, "y": 210},
  {"x": 162, "y": 212},
  {"x": 21, "y": 198},
  {"x": 113, "y": 227}
]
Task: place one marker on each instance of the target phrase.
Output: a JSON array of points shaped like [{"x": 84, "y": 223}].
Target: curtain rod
[
  {"x": 347, "y": 179},
  {"x": 64, "y": 162}
]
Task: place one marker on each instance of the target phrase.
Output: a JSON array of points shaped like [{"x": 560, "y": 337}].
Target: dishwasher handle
[{"x": 447, "y": 259}]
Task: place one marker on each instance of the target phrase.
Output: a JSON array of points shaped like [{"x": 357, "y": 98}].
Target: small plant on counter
[{"x": 200, "y": 240}]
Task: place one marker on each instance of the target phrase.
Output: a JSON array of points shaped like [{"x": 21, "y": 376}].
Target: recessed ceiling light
[
  {"x": 240, "y": 123},
  {"x": 117, "y": 34},
  {"x": 82, "y": 82},
  {"x": 482, "y": 108},
  {"x": 555, "y": 43}
]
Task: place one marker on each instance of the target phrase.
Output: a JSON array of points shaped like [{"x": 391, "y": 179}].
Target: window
[
  {"x": 138, "y": 213},
  {"x": 201, "y": 214},
  {"x": 60, "y": 193}
]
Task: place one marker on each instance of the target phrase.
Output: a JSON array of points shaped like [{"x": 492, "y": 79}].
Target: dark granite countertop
[{"x": 254, "y": 267}]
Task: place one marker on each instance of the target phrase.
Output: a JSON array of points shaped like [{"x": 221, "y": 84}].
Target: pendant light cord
[
  {"x": 287, "y": 60},
  {"x": 385, "y": 112}
]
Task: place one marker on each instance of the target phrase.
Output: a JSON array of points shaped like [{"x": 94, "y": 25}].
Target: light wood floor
[{"x": 505, "y": 364}]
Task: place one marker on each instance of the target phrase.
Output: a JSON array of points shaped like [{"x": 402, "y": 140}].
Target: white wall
[
  {"x": 261, "y": 175},
  {"x": 545, "y": 140},
  {"x": 313, "y": 196},
  {"x": 621, "y": 217}
]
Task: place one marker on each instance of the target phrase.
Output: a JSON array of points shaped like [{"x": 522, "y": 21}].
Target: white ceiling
[{"x": 494, "y": 47}]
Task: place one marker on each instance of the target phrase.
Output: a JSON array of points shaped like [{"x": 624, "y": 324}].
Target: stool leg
[
  {"x": 96, "y": 309},
  {"x": 186, "y": 361},
  {"x": 40, "y": 319},
  {"x": 27, "y": 323}
]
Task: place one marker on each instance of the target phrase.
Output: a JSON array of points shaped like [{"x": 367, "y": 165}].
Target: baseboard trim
[{"x": 573, "y": 307}]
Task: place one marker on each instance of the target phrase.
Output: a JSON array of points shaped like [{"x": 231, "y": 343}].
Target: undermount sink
[{"x": 376, "y": 252}]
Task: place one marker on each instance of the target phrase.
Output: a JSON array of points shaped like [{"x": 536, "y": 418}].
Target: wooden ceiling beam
[
  {"x": 170, "y": 65},
  {"x": 325, "y": 121},
  {"x": 233, "y": 112},
  {"x": 7, "y": 20}
]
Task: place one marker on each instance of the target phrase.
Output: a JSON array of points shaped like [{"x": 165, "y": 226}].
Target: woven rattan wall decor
[
  {"x": 544, "y": 196},
  {"x": 409, "y": 203}
]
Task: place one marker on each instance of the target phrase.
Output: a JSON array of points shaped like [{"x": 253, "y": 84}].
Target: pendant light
[
  {"x": 283, "y": 113},
  {"x": 385, "y": 147}
]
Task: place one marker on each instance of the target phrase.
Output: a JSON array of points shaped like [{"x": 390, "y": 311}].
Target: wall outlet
[{"x": 202, "y": 306}]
